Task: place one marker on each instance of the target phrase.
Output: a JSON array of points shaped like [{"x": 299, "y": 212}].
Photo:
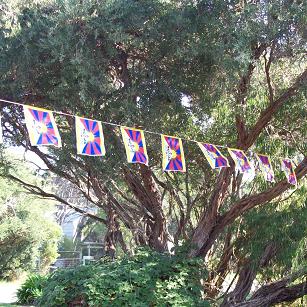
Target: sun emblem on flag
[
  {"x": 173, "y": 159},
  {"x": 41, "y": 126},
  {"x": 135, "y": 143},
  {"x": 89, "y": 137}
]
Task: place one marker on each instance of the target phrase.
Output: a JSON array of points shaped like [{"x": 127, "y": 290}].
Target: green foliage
[
  {"x": 146, "y": 279},
  {"x": 67, "y": 244},
  {"x": 31, "y": 289},
  {"x": 282, "y": 223},
  {"x": 27, "y": 231}
]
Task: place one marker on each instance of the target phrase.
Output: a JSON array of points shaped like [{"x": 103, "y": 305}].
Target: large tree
[{"x": 226, "y": 72}]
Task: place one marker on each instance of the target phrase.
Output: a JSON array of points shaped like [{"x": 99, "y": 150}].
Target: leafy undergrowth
[
  {"x": 31, "y": 289},
  {"x": 146, "y": 279}
]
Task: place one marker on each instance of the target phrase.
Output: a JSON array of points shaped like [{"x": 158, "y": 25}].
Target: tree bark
[
  {"x": 113, "y": 236},
  {"x": 275, "y": 293},
  {"x": 216, "y": 278},
  {"x": 147, "y": 193},
  {"x": 247, "y": 276},
  {"x": 209, "y": 218}
]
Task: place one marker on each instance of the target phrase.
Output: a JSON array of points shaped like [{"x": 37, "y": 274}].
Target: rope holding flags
[{"x": 42, "y": 130}]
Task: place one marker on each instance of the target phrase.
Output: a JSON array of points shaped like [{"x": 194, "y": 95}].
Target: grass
[{"x": 12, "y": 305}]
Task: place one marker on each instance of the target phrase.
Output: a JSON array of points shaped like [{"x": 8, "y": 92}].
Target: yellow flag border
[
  {"x": 78, "y": 143},
  {"x": 200, "y": 144},
  {"x": 127, "y": 148},
  {"x": 164, "y": 162},
  {"x": 29, "y": 118}
]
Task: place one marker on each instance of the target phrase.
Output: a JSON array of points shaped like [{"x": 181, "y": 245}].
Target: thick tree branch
[
  {"x": 250, "y": 202},
  {"x": 247, "y": 276},
  {"x": 267, "y": 114},
  {"x": 277, "y": 292},
  {"x": 242, "y": 91},
  {"x": 212, "y": 225},
  {"x": 38, "y": 191},
  {"x": 209, "y": 217},
  {"x": 267, "y": 66}
]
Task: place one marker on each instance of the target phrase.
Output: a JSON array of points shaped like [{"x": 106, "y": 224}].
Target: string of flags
[{"x": 43, "y": 131}]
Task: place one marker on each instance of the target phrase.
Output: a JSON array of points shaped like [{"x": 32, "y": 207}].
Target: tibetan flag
[
  {"x": 213, "y": 155},
  {"x": 173, "y": 156},
  {"x": 135, "y": 145},
  {"x": 240, "y": 159},
  {"x": 1, "y": 137},
  {"x": 266, "y": 167},
  {"x": 41, "y": 127},
  {"x": 89, "y": 134},
  {"x": 287, "y": 167}
]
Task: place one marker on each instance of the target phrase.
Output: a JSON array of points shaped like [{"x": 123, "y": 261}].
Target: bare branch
[{"x": 40, "y": 192}]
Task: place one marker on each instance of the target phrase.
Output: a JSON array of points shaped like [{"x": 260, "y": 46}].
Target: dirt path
[{"x": 8, "y": 292}]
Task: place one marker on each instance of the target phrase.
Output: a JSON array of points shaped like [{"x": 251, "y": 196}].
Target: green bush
[
  {"x": 27, "y": 229},
  {"x": 31, "y": 289},
  {"x": 146, "y": 279}
]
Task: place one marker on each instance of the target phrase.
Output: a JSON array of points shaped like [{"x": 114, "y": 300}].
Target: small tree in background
[{"x": 28, "y": 235}]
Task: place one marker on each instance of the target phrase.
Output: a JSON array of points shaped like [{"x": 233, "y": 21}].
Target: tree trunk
[
  {"x": 113, "y": 235},
  {"x": 247, "y": 276},
  {"x": 202, "y": 237},
  {"x": 147, "y": 193},
  {"x": 275, "y": 293}
]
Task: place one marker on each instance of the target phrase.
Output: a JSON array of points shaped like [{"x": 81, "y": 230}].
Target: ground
[{"x": 8, "y": 292}]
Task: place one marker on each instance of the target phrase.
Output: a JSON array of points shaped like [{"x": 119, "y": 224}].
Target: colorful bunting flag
[
  {"x": 173, "y": 156},
  {"x": 1, "y": 137},
  {"x": 135, "y": 145},
  {"x": 266, "y": 167},
  {"x": 288, "y": 168},
  {"x": 213, "y": 155},
  {"x": 41, "y": 127},
  {"x": 240, "y": 159},
  {"x": 90, "y": 140}
]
